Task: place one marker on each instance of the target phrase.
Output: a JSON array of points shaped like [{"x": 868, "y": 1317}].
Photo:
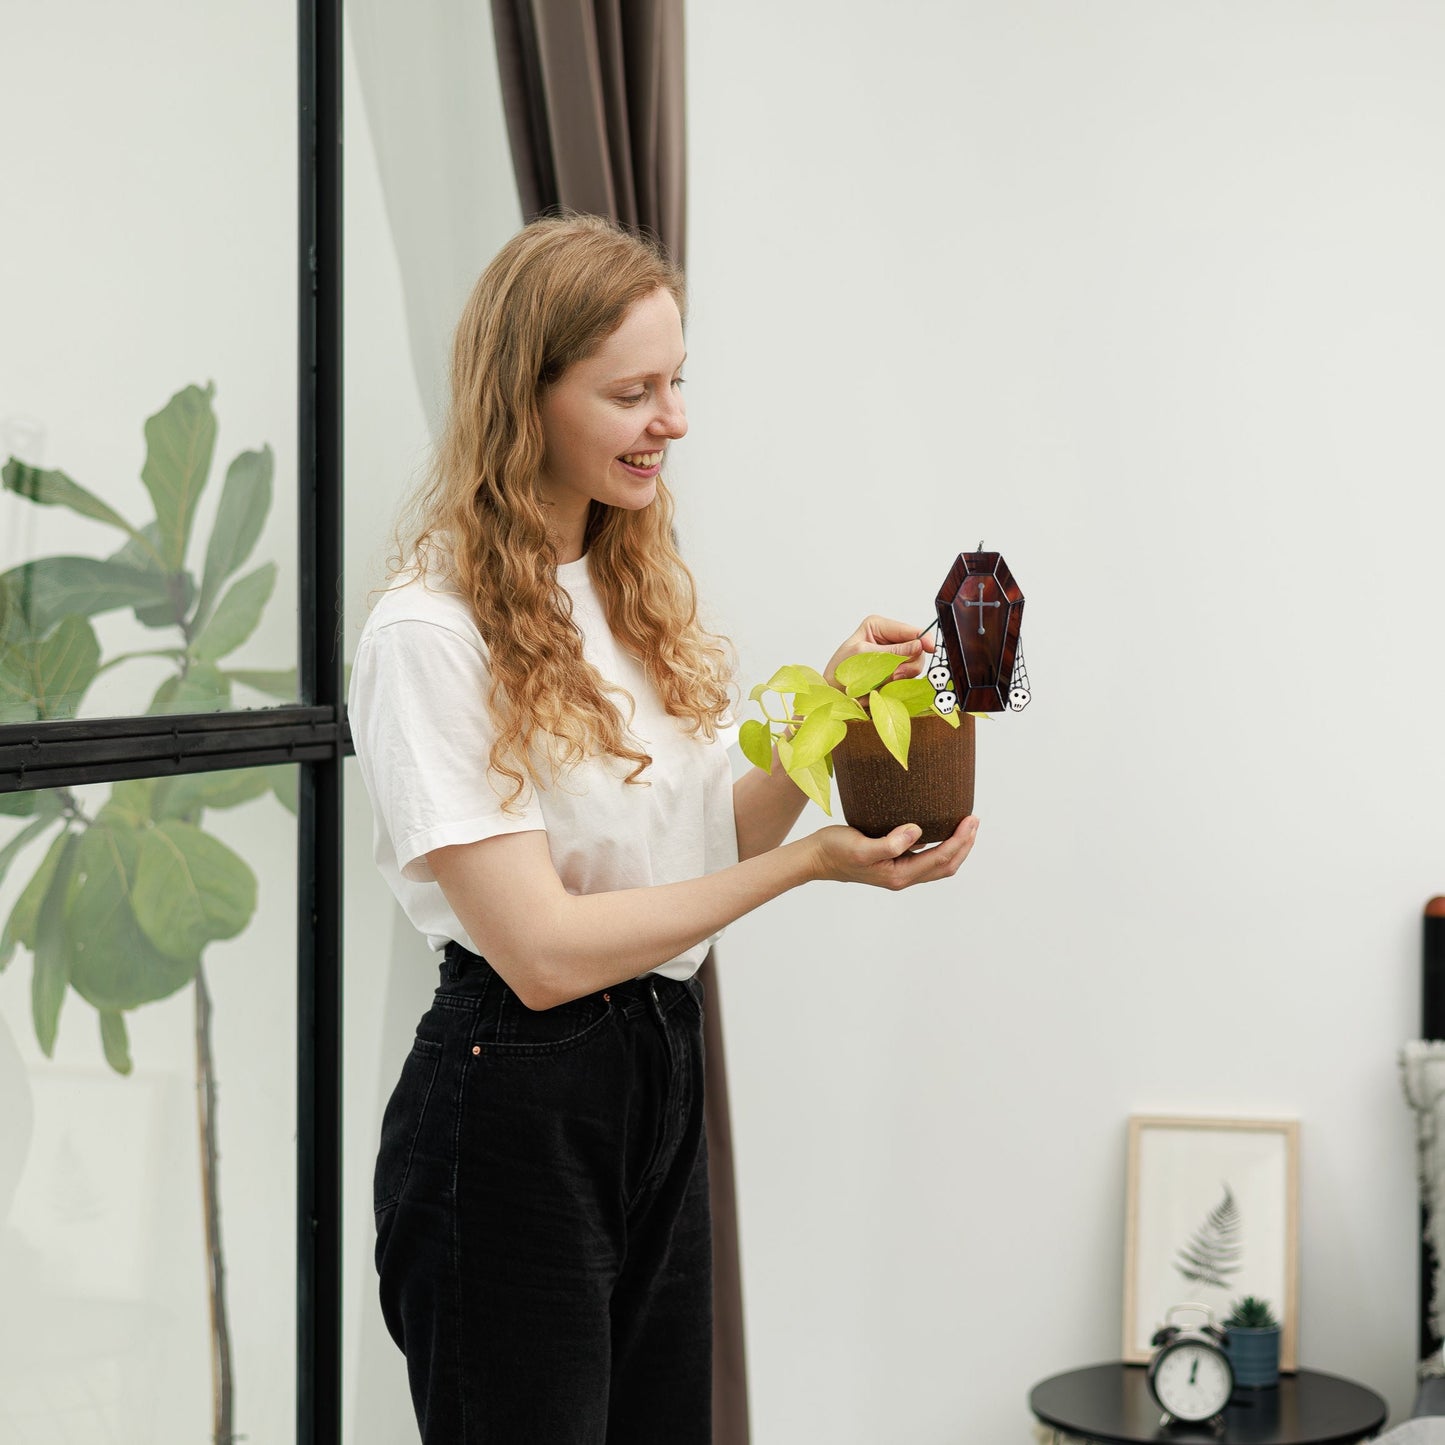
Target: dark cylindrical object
[
  {"x": 1432, "y": 1026},
  {"x": 935, "y": 790}
]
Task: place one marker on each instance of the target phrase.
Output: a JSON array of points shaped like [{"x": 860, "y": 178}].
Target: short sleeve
[{"x": 423, "y": 736}]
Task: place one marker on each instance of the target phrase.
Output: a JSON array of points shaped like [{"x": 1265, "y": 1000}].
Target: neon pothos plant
[
  {"x": 126, "y": 898},
  {"x": 813, "y": 717}
]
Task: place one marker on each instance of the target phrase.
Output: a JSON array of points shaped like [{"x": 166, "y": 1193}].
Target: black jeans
[{"x": 543, "y": 1233}]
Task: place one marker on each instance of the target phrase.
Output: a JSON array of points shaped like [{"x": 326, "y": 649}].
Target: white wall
[
  {"x": 1149, "y": 297},
  {"x": 1143, "y": 294}
]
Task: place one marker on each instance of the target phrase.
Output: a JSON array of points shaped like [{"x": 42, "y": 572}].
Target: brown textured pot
[{"x": 935, "y": 790}]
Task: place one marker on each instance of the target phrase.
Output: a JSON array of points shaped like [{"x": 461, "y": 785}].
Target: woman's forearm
[
  {"x": 765, "y": 807},
  {"x": 551, "y": 946}
]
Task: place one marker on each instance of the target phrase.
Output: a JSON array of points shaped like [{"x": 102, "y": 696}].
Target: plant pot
[
  {"x": 935, "y": 790},
  {"x": 1254, "y": 1355}
]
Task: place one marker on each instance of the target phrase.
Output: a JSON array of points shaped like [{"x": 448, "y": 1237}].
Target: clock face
[{"x": 1192, "y": 1380}]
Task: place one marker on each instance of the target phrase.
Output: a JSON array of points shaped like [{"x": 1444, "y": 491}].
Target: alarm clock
[{"x": 1190, "y": 1375}]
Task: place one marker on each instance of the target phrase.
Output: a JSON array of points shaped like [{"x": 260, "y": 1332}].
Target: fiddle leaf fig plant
[
  {"x": 811, "y": 717},
  {"x": 128, "y": 895}
]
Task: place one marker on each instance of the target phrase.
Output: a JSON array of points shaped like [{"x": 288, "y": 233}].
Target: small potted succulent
[
  {"x": 1251, "y": 1336},
  {"x": 869, "y": 728}
]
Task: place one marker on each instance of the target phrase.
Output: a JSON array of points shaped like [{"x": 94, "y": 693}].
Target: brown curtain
[{"x": 593, "y": 91}]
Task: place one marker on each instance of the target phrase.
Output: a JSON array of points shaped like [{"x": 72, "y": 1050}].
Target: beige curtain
[{"x": 593, "y": 91}]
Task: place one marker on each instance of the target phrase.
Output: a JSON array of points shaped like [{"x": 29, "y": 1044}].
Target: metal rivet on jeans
[
  {"x": 606, "y": 998},
  {"x": 476, "y": 1049}
]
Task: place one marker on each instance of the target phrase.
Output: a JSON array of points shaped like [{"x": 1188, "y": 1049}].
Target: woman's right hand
[{"x": 844, "y": 855}]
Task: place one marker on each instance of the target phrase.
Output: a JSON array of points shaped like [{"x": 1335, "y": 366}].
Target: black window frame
[{"x": 311, "y": 733}]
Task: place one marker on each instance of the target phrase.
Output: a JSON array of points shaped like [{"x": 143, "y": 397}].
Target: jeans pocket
[
  {"x": 520, "y": 1032},
  {"x": 401, "y": 1123}
]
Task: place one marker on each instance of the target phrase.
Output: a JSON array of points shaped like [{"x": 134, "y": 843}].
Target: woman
[{"x": 543, "y": 725}]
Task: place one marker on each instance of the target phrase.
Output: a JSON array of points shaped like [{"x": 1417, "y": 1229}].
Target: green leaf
[
  {"x": 237, "y": 616},
  {"x": 827, "y": 700},
  {"x": 865, "y": 670},
  {"x": 185, "y": 796},
  {"x": 816, "y": 738},
  {"x": 205, "y": 688},
  {"x": 65, "y": 665},
  {"x": 180, "y": 439},
  {"x": 894, "y": 725},
  {"x": 52, "y": 949},
  {"x": 756, "y": 740},
  {"x": 285, "y": 781},
  {"x": 115, "y": 965},
  {"x": 190, "y": 889},
  {"x": 14, "y": 626},
  {"x": 143, "y": 551},
  {"x": 915, "y": 693},
  {"x": 245, "y": 500},
  {"x": 791, "y": 679},
  {"x": 279, "y": 683},
  {"x": 114, "y": 1041},
  {"x": 20, "y": 926},
  {"x": 55, "y": 489},
  {"x": 55, "y": 587},
  {"x": 17, "y": 805},
  {"x": 130, "y": 802},
  {"x": 814, "y": 782},
  {"x": 12, "y": 848}
]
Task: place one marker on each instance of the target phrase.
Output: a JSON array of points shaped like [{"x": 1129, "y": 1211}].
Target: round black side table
[{"x": 1112, "y": 1404}]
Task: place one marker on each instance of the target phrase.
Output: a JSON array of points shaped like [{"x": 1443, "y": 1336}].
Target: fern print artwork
[{"x": 1213, "y": 1256}]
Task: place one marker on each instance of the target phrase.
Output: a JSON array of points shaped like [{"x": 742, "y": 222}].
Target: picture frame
[{"x": 1212, "y": 1215}]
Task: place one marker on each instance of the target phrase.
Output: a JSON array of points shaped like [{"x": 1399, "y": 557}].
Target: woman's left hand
[{"x": 883, "y": 634}]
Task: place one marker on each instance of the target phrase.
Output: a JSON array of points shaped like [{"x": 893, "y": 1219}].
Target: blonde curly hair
[{"x": 549, "y": 299}]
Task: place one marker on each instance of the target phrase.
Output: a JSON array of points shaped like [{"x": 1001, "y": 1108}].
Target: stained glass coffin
[{"x": 980, "y": 612}]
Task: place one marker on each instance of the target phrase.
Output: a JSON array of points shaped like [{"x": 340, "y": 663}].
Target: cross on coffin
[{"x": 980, "y": 612}]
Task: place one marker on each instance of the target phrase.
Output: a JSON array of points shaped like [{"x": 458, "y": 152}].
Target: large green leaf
[
  {"x": 894, "y": 725},
  {"x": 54, "y": 587},
  {"x": 818, "y": 735},
  {"x": 180, "y": 439},
  {"x": 915, "y": 693},
  {"x": 278, "y": 682},
  {"x": 236, "y": 617},
  {"x": 52, "y": 948},
  {"x": 285, "y": 782},
  {"x": 114, "y": 1041},
  {"x": 14, "y": 627},
  {"x": 17, "y": 805},
  {"x": 756, "y": 741},
  {"x": 185, "y": 796},
  {"x": 143, "y": 552},
  {"x": 114, "y": 964},
  {"x": 865, "y": 670},
  {"x": 48, "y": 679},
  {"x": 829, "y": 700},
  {"x": 55, "y": 489},
  {"x": 792, "y": 679},
  {"x": 13, "y": 847},
  {"x": 131, "y": 802},
  {"x": 20, "y": 926},
  {"x": 205, "y": 688},
  {"x": 245, "y": 501},
  {"x": 190, "y": 889},
  {"x": 813, "y": 781}
]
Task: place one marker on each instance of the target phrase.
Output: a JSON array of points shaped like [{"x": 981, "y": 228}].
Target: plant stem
[
  {"x": 128, "y": 656},
  {"x": 221, "y": 1387}
]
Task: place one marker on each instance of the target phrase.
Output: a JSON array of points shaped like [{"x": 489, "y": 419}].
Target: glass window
[
  {"x": 148, "y": 377},
  {"x": 148, "y": 1072}
]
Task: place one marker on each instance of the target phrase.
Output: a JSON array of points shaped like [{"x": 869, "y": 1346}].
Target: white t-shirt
[{"x": 423, "y": 738}]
